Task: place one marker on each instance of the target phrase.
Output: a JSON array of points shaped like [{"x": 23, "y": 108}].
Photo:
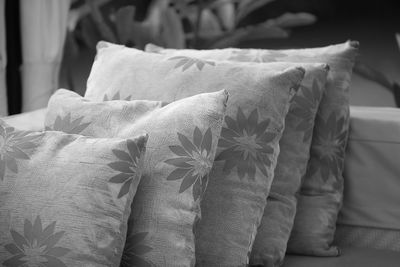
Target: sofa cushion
[
  {"x": 27, "y": 121},
  {"x": 59, "y": 204},
  {"x": 248, "y": 148},
  {"x": 321, "y": 195},
  {"x": 372, "y": 182},
  {"x": 367, "y": 237},
  {"x": 183, "y": 138},
  {"x": 350, "y": 257},
  {"x": 277, "y": 222}
]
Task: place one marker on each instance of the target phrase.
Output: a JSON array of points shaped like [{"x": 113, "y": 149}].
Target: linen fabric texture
[
  {"x": 247, "y": 152},
  {"x": 183, "y": 138},
  {"x": 273, "y": 234},
  {"x": 370, "y": 215},
  {"x": 321, "y": 194},
  {"x": 59, "y": 203}
]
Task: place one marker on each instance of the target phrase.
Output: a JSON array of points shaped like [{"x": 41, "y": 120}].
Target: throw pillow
[
  {"x": 273, "y": 234},
  {"x": 60, "y": 203},
  {"x": 320, "y": 197},
  {"x": 183, "y": 138},
  {"x": 243, "y": 171}
]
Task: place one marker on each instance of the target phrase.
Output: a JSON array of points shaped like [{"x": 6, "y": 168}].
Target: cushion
[
  {"x": 243, "y": 171},
  {"x": 273, "y": 234},
  {"x": 367, "y": 237},
  {"x": 351, "y": 257},
  {"x": 320, "y": 197},
  {"x": 27, "y": 121},
  {"x": 60, "y": 204},
  {"x": 372, "y": 183},
  {"x": 183, "y": 138}
]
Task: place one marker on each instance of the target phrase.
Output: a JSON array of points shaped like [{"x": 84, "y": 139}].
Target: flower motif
[
  {"x": 134, "y": 250},
  {"x": 13, "y": 147},
  {"x": 193, "y": 163},
  {"x": 187, "y": 62},
  {"x": 304, "y": 108},
  {"x": 246, "y": 144},
  {"x": 328, "y": 149},
  {"x": 127, "y": 166},
  {"x": 116, "y": 96},
  {"x": 36, "y": 247},
  {"x": 256, "y": 56},
  {"x": 67, "y": 125}
]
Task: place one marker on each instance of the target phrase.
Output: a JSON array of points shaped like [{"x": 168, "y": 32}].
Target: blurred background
[{"x": 48, "y": 44}]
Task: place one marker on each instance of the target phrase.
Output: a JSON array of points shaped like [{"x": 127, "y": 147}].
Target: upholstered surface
[
  {"x": 28, "y": 121},
  {"x": 351, "y": 257}
]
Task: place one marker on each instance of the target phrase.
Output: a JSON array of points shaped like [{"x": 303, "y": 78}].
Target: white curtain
[
  {"x": 3, "y": 62},
  {"x": 43, "y": 30}
]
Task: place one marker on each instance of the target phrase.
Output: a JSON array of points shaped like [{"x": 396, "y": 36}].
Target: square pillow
[
  {"x": 59, "y": 202},
  {"x": 247, "y": 151},
  {"x": 274, "y": 232},
  {"x": 320, "y": 197},
  {"x": 183, "y": 138}
]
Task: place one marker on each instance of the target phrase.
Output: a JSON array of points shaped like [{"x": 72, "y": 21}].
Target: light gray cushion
[{"x": 351, "y": 257}]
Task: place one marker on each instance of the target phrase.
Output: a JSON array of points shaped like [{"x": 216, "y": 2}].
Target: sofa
[
  {"x": 301, "y": 178},
  {"x": 371, "y": 178}
]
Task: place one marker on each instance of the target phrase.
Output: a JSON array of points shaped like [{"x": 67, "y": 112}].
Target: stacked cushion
[
  {"x": 182, "y": 143},
  {"x": 59, "y": 204},
  {"x": 320, "y": 197},
  {"x": 243, "y": 171},
  {"x": 282, "y": 138},
  {"x": 274, "y": 231}
]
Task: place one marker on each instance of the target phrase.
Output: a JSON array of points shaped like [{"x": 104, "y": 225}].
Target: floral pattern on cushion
[
  {"x": 187, "y": 62},
  {"x": 36, "y": 246},
  {"x": 246, "y": 144},
  {"x": 304, "y": 107},
  {"x": 135, "y": 249},
  {"x": 194, "y": 161},
  {"x": 327, "y": 151},
  {"x": 183, "y": 138},
  {"x": 67, "y": 125},
  {"x": 127, "y": 166},
  {"x": 14, "y": 146},
  {"x": 64, "y": 185},
  {"x": 116, "y": 96}
]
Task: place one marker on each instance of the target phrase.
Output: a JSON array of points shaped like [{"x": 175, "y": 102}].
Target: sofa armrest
[{"x": 28, "y": 121}]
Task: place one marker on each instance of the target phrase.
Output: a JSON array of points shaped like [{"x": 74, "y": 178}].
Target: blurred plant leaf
[
  {"x": 226, "y": 14},
  {"x": 257, "y": 32},
  {"x": 172, "y": 33},
  {"x": 123, "y": 22},
  {"x": 372, "y": 74},
  {"x": 289, "y": 20},
  {"x": 209, "y": 24},
  {"x": 89, "y": 33},
  {"x": 184, "y": 8},
  {"x": 154, "y": 16},
  {"x": 141, "y": 34},
  {"x": 77, "y": 13},
  {"x": 262, "y": 31},
  {"x": 248, "y": 6},
  {"x": 217, "y": 3},
  {"x": 104, "y": 29},
  {"x": 396, "y": 92}
]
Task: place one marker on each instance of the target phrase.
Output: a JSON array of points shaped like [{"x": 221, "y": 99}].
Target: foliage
[
  {"x": 372, "y": 74},
  {"x": 183, "y": 23}
]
